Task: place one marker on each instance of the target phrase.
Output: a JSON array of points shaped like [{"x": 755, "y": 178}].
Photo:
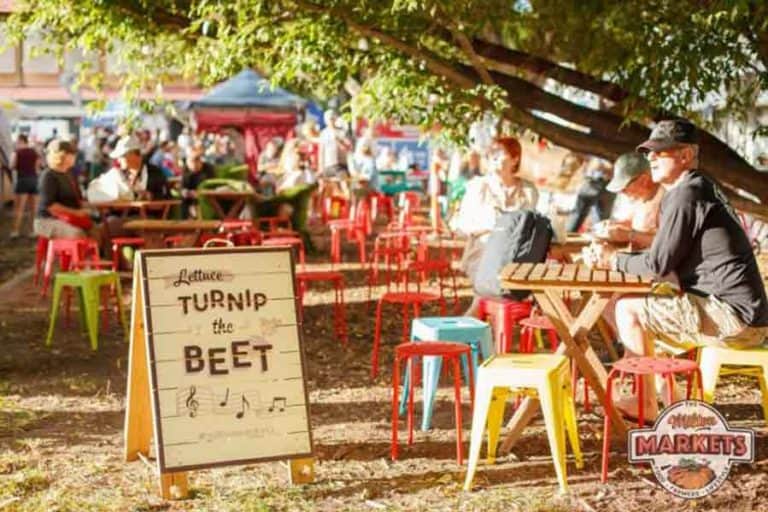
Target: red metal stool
[
  {"x": 406, "y": 299},
  {"x": 358, "y": 226},
  {"x": 337, "y": 279},
  {"x": 451, "y": 354},
  {"x": 172, "y": 241},
  {"x": 292, "y": 241},
  {"x": 503, "y": 314},
  {"x": 529, "y": 326},
  {"x": 41, "y": 250},
  {"x": 639, "y": 368},
  {"x": 117, "y": 247},
  {"x": 382, "y": 203},
  {"x": 334, "y": 207},
  {"x": 443, "y": 271},
  {"x": 70, "y": 251}
]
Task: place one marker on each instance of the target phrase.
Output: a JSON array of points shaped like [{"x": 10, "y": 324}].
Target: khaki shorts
[
  {"x": 55, "y": 228},
  {"x": 688, "y": 319}
]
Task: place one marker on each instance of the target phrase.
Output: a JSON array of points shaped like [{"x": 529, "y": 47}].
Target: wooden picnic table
[
  {"x": 163, "y": 206},
  {"x": 237, "y": 202},
  {"x": 550, "y": 283},
  {"x": 154, "y": 231}
]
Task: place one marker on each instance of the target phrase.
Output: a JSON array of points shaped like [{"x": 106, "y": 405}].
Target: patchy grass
[{"x": 61, "y": 435}]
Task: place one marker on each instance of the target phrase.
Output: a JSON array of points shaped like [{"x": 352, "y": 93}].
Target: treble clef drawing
[{"x": 192, "y": 403}]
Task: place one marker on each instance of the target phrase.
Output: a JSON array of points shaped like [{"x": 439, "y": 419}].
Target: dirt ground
[{"x": 62, "y": 413}]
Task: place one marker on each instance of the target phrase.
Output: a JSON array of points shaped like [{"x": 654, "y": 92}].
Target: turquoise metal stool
[{"x": 458, "y": 329}]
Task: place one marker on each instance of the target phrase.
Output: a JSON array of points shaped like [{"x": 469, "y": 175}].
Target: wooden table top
[
  {"x": 539, "y": 276},
  {"x": 227, "y": 194},
  {"x": 172, "y": 225},
  {"x": 123, "y": 204},
  {"x": 574, "y": 239}
]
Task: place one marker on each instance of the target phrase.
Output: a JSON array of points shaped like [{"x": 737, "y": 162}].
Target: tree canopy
[{"x": 432, "y": 62}]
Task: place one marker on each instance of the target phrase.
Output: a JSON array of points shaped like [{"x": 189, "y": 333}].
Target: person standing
[{"x": 25, "y": 161}]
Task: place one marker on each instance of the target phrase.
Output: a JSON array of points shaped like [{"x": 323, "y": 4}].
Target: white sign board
[{"x": 225, "y": 360}]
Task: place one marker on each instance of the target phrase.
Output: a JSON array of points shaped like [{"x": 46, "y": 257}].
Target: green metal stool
[{"x": 88, "y": 285}]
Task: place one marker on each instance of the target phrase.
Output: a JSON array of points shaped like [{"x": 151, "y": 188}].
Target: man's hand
[
  {"x": 598, "y": 255},
  {"x": 613, "y": 231}
]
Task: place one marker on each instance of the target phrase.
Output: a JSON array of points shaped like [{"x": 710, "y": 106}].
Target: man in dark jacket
[{"x": 700, "y": 240}]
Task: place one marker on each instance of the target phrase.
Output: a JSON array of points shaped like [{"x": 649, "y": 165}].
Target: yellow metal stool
[
  {"x": 545, "y": 376},
  {"x": 752, "y": 361}
]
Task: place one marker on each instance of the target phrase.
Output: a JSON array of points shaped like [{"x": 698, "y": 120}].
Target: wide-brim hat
[{"x": 124, "y": 146}]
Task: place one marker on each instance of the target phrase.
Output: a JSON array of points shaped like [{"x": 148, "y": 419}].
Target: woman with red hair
[{"x": 500, "y": 190}]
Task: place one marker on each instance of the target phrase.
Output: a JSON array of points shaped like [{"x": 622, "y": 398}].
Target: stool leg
[
  {"x": 670, "y": 388},
  {"x": 395, "y": 393},
  {"x": 405, "y": 323},
  {"x": 91, "y": 303},
  {"x": 411, "y": 378},
  {"x": 457, "y": 398},
  {"x": 607, "y": 426},
  {"x": 526, "y": 345},
  {"x": 640, "y": 380},
  {"x": 571, "y": 425},
  {"x": 710, "y": 371},
  {"x": 479, "y": 419},
  {"x": 431, "y": 369},
  {"x": 495, "y": 419},
  {"x": 551, "y": 407},
  {"x": 54, "y": 312},
  {"x": 120, "y": 308},
  {"x": 553, "y": 342},
  {"x": 376, "y": 341}
]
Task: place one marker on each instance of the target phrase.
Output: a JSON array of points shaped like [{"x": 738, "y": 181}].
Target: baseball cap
[
  {"x": 125, "y": 145},
  {"x": 669, "y": 134},
  {"x": 61, "y": 146},
  {"x": 626, "y": 168}
]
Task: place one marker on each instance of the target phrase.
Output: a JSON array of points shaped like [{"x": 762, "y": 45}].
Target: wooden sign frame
[{"x": 142, "y": 419}]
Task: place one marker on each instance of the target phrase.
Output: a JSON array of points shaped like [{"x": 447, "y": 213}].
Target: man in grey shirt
[{"x": 701, "y": 241}]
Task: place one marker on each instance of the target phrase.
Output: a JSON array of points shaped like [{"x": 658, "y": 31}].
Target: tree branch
[{"x": 469, "y": 51}]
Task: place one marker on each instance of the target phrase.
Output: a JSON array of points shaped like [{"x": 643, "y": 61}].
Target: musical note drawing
[
  {"x": 223, "y": 403},
  {"x": 243, "y": 404},
  {"x": 278, "y": 400},
  {"x": 192, "y": 403}
]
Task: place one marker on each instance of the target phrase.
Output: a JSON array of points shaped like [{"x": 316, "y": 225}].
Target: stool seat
[
  {"x": 319, "y": 275},
  {"x": 409, "y": 297},
  {"x": 537, "y": 322},
  {"x": 432, "y": 348},
  {"x": 654, "y": 365}
]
